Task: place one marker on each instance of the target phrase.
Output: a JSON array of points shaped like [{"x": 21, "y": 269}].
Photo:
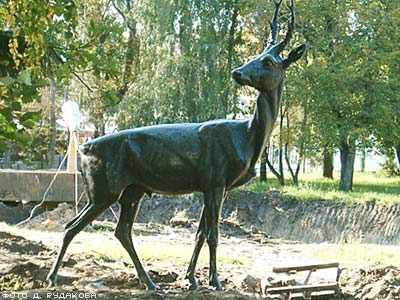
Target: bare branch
[
  {"x": 72, "y": 71},
  {"x": 122, "y": 14},
  {"x": 80, "y": 79}
]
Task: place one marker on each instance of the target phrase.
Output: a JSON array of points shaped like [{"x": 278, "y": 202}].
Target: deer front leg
[
  {"x": 130, "y": 204},
  {"x": 200, "y": 238},
  {"x": 213, "y": 201},
  {"x": 86, "y": 216}
]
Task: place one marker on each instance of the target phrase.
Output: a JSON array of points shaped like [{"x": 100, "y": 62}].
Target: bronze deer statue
[{"x": 212, "y": 157}]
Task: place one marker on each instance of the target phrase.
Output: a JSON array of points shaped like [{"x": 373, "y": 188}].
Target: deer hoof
[
  {"x": 216, "y": 284},
  {"x": 52, "y": 280},
  {"x": 150, "y": 286},
  {"x": 192, "y": 282},
  {"x": 193, "y": 286}
]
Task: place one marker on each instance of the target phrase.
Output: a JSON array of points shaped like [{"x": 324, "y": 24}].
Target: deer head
[{"x": 267, "y": 70}]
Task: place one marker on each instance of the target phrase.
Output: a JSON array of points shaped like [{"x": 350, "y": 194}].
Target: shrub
[{"x": 391, "y": 168}]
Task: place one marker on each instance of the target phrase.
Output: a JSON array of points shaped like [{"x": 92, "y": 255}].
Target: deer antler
[
  {"x": 274, "y": 24},
  {"x": 291, "y": 24}
]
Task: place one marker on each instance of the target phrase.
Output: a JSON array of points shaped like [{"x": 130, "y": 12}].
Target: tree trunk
[
  {"x": 287, "y": 159},
  {"x": 132, "y": 49},
  {"x": 327, "y": 164},
  {"x": 293, "y": 173},
  {"x": 347, "y": 157},
  {"x": 7, "y": 157},
  {"x": 231, "y": 52},
  {"x": 278, "y": 174},
  {"x": 280, "y": 158},
  {"x": 362, "y": 160},
  {"x": 100, "y": 128},
  {"x": 263, "y": 167},
  {"x": 53, "y": 124},
  {"x": 397, "y": 150}
]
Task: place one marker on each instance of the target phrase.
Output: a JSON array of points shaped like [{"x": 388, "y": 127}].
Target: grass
[
  {"x": 356, "y": 254},
  {"x": 366, "y": 187}
]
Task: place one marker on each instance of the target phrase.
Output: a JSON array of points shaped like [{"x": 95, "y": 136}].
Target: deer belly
[{"x": 166, "y": 172}]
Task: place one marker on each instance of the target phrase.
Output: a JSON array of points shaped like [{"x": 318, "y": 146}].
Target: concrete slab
[{"x": 30, "y": 186}]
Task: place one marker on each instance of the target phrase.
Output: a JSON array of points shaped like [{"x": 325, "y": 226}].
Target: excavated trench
[
  {"x": 313, "y": 221},
  {"x": 308, "y": 221}
]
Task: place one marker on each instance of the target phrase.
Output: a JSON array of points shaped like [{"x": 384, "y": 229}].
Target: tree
[
  {"x": 380, "y": 20},
  {"x": 16, "y": 89},
  {"x": 32, "y": 39},
  {"x": 64, "y": 54},
  {"x": 345, "y": 63},
  {"x": 333, "y": 114},
  {"x": 106, "y": 61},
  {"x": 184, "y": 76}
]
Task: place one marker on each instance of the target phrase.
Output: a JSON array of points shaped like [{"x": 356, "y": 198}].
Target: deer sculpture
[{"x": 212, "y": 157}]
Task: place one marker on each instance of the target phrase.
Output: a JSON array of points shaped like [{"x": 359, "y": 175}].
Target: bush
[{"x": 391, "y": 168}]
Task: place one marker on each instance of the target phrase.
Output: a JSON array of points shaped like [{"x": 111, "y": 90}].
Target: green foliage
[
  {"x": 36, "y": 29},
  {"x": 348, "y": 87},
  {"x": 347, "y": 92},
  {"x": 185, "y": 74},
  {"x": 15, "y": 92},
  {"x": 36, "y": 151},
  {"x": 391, "y": 168},
  {"x": 102, "y": 50}
]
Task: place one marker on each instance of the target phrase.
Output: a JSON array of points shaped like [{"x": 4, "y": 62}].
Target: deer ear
[{"x": 294, "y": 55}]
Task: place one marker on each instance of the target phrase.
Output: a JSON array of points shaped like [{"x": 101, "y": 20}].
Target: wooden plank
[
  {"x": 322, "y": 295},
  {"x": 303, "y": 288},
  {"x": 300, "y": 296},
  {"x": 297, "y": 296},
  {"x": 305, "y": 267}
]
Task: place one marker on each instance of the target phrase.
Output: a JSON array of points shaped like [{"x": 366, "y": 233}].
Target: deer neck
[{"x": 262, "y": 122}]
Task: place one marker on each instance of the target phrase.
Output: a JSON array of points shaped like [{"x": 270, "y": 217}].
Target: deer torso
[{"x": 175, "y": 158}]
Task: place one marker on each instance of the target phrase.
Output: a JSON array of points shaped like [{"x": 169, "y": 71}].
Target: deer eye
[{"x": 266, "y": 61}]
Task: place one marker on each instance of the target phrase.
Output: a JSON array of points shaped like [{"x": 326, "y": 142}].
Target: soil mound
[
  {"x": 18, "y": 268},
  {"x": 14, "y": 243},
  {"x": 13, "y": 212},
  {"x": 378, "y": 282},
  {"x": 52, "y": 220}
]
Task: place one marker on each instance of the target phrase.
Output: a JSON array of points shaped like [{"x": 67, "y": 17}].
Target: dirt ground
[
  {"x": 95, "y": 263},
  {"x": 245, "y": 258}
]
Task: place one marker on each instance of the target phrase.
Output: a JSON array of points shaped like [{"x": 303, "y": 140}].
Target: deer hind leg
[
  {"x": 87, "y": 215},
  {"x": 200, "y": 238},
  {"x": 130, "y": 204},
  {"x": 73, "y": 220},
  {"x": 213, "y": 202}
]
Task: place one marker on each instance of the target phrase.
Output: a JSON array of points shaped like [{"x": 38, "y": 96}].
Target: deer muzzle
[{"x": 240, "y": 77}]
